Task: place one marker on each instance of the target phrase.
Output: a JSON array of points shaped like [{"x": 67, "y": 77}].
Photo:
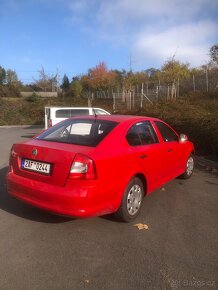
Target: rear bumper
[{"x": 74, "y": 200}]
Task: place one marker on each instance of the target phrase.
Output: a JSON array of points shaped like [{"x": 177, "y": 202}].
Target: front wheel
[
  {"x": 132, "y": 201},
  {"x": 190, "y": 164}
]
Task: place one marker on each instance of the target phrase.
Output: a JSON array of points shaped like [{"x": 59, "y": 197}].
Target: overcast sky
[{"x": 75, "y": 35}]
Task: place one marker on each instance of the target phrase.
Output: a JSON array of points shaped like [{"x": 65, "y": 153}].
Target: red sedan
[{"x": 89, "y": 166}]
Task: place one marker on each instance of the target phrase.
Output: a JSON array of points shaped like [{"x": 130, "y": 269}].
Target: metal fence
[{"x": 152, "y": 91}]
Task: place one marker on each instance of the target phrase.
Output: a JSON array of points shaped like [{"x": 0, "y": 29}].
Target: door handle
[
  {"x": 143, "y": 156},
  {"x": 169, "y": 150}
]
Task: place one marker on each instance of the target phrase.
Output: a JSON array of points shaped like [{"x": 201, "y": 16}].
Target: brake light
[
  {"x": 11, "y": 156},
  {"x": 83, "y": 167},
  {"x": 50, "y": 123}
]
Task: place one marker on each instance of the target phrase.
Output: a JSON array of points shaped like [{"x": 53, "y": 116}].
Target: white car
[{"x": 54, "y": 115}]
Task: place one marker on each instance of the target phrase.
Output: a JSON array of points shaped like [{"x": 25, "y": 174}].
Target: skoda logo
[{"x": 34, "y": 152}]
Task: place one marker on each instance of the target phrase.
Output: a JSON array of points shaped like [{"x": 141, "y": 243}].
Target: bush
[
  {"x": 33, "y": 98},
  {"x": 9, "y": 91}
]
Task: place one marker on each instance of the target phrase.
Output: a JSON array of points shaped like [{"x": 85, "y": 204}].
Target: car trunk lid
[{"x": 55, "y": 158}]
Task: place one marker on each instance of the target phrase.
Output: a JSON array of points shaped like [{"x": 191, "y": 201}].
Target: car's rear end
[{"x": 57, "y": 170}]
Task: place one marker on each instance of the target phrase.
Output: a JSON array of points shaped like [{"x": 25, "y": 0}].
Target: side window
[
  {"x": 99, "y": 112},
  {"x": 63, "y": 113},
  {"x": 167, "y": 133},
  {"x": 77, "y": 112},
  {"x": 132, "y": 136},
  {"x": 141, "y": 133}
]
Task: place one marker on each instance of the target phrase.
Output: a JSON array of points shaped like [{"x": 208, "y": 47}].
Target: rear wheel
[
  {"x": 132, "y": 201},
  {"x": 190, "y": 164}
]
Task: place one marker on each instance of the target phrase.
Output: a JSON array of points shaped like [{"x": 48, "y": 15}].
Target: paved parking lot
[{"x": 179, "y": 250}]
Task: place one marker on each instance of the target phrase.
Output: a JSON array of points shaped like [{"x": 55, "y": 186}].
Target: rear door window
[
  {"x": 79, "y": 132},
  {"x": 142, "y": 133}
]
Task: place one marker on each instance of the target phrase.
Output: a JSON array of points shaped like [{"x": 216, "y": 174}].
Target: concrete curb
[
  {"x": 21, "y": 126},
  {"x": 207, "y": 165}
]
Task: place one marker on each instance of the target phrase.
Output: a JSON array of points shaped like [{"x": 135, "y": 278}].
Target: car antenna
[{"x": 94, "y": 113}]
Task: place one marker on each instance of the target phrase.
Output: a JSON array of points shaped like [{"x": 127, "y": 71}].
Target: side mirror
[{"x": 183, "y": 138}]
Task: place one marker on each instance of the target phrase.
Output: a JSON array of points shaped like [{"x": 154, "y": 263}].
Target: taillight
[
  {"x": 11, "y": 156},
  {"x": 50, "y": 123},
  {"x": 83, "y": 167}
]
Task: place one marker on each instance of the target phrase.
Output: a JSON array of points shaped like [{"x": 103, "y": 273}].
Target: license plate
[{"x": 36, "y": 166}]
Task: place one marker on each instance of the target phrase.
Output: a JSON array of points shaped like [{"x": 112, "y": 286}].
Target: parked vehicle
[
  {"x": 54, "y": 115},
  {"x": 88, "y": 166}
]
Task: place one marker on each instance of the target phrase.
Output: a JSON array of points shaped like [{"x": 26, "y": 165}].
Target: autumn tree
[
  {"x": 171, "y": 73},
  {"x": 100, "y": 78}
]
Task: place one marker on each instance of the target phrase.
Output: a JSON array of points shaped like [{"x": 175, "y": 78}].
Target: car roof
[{"x": 117, "y": 118}]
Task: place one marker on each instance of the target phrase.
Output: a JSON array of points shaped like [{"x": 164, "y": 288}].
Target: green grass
[{"x": 195, "y": 116}]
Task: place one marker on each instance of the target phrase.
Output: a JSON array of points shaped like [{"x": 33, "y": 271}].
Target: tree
[
  {"x": 76, "y": 87},
  {"x": 11, "y": 77},
  {"x": 172, "y": 72},
  {"x": 2, "y": 75},
  {"x": 65, "y": 83},
  {"x": 151, "y": 72},
  {"x": 214, "y": 53},
  {"x": 46, "y": 82},
  {"x": 100, "y": 78}
]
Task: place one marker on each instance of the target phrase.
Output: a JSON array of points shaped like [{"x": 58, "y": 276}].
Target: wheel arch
[{"x": 142, "y": 177}]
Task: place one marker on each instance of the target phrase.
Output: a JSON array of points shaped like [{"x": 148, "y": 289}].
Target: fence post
[
  {"x": 130, "y": 101},
  {"x": 178, "y": 88},
  {"x": 142, "y": 92},
  {"x": 193, "y": 78},
  {"x": 207, "y": 80},
  {"x": 133, "y": 99}
]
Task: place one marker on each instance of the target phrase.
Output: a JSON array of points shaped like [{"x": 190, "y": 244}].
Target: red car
[{"x": 89, "y": 166}]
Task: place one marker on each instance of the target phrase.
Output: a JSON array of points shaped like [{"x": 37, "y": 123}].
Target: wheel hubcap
[
  {"x": 190, "y": 166},
  {"x": 134, "y": 199}
]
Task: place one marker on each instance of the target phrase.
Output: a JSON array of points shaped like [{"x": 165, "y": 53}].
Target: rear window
[
  {"x": 79, "y": 132},
  {"x": 68, "y": 113}
]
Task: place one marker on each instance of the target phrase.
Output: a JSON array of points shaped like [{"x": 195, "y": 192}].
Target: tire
[
  {"x": 190, "y": 164},
  {"x": 132, "y": 201}
]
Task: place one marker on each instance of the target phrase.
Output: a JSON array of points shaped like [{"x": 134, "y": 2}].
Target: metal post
[
  {"x": 142, "y": 92},
  {"x": 193, "y": 78},
  {"x": 114, "y": 102},
  {"x": 207, "y": 80},
  {"x": 130, "y": 101},
  {"x": 178, "y": 88}
]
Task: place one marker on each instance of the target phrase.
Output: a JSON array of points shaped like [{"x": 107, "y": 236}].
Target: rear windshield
[{"x": 79, "y": 132}]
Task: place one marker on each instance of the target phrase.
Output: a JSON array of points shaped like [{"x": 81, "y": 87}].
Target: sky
[{"x": 71, "y": 36}]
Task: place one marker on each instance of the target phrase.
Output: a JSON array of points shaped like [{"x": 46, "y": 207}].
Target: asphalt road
[{"x": 179, "y": 250}]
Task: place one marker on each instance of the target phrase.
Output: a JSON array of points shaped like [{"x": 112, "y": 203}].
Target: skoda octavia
[{"x": 89, "y": 166}]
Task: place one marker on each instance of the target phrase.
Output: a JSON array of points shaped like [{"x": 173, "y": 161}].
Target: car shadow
[{"x": 23, "y": 210}]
